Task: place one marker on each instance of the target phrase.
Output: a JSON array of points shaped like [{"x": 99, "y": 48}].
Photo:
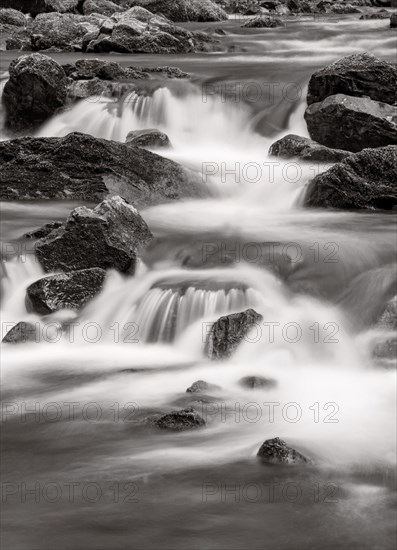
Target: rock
[
  {"x": 367, "y": 180},
  {"x": 36, "y": 89},
  {"x": 104, "y": 7},
  {"x": 64, "y": 31},
  {"x": 276, "y": 451},
  {"x": 383, "y": 14},
  {"x": 299, "y": 6},
  {"x": 71, "y": 290},
  {"x": 184, "y": 10},
  {"x": 342, "y": 9},
  {"x": 151, "y": 138},
  {"x": 25, "y": 6},
  {"x": 85, "y": 69},
  {"x": 292, "y": 146},
  {"x": 388, "y": 319},
  {"x": 254, "y": 382},
  {"x": 393, "y": 21},
  {"x": 357, "y": 75},
  {"x": 12, "y": 17},
  {"x": 166, "y": 71},
  {"x": 63, "y": 6},
  {"x": 186, "y": 419},
  {"x": 263, "y": 22},
  {"x": 352, "y": 123},
  {"x": 201, "y": 386},
  {"x": 16, "y": 43},
  {"x": 109, "y": 237},
  {"x": 229, "y": 331},
  {"x": 22, "y": 332},
  {"x": 54, "y": 168},
  {"x": 42, "y": 231}
]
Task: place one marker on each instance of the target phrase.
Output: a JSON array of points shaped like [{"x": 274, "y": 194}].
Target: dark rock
[
  {"x": 42, "y": 231},
  {"x": 64, "y": 31},
  {"x": 201, "y": 386},
  {"x": 276, "y": 451},
  {"x": 54, "y": 168},
  {"x": 25, "y": 6},
  {"x": 388, "y": 319},
  {"x": 21, "y": 333},
  {"x": 384, "y": 14},
  {"x": 393, "y": 21},
  {"x": 263, "y": 22},
  {"x": 184, "y": 10},
  {"x": 229, "y": 331},
  {"x": 17, "y": 43},
  {"x": 63, "y": 6},
  {"x": 151, "y": 138},
  {"x": 343, "y": 9},
  {"x": 166, "y": 71},
  {"x": 254, "y": 382},
  {"x": 85, "y": 69},
  {"x": 299, "y": 6},
  {"x": 357, "y": 75},
  {"x": 352, "y": 123},
  {"x": 291, "y": 146},
  {"x": 104, "y": 7},
  {"x": 64, "y": 290},
  {"x": 109, "y": 237},
  {"x": 12, "y": 17},
  {"x": 367, "y": 180},
  {"x": 186, "y": 419},
  {"x": 36, "y": 89}
]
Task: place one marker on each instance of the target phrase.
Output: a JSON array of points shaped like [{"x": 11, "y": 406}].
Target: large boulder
[
  {"x": 356, "y": 75},
  {"x": 184, "y": 10},
  {"x": 36, "y": 89},
  {"x": 64, "y": 290},
  {"x": 229, "y": 331},
  {"x": 63, "y": 31},
  {"x": 277, "y": 451},
  {"x": 263, "y": 22},
  {"x": 367, "y": 180},
  {"x": 150, "y": 138},
  {"x": 55, "y": 168},
  {"x": 25, "y": 6},
  {"x": 109, "y": 236},
  {"x": 104, "y": 7},
  {"x": 293, "y": 146},
  {"x": 8, "y": 16},
  {"x": 21, "y": 333},
  {"x": 352, "y": 123}
]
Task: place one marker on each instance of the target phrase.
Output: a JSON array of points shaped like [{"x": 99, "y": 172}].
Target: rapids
[{"x": 139, "y": 344}]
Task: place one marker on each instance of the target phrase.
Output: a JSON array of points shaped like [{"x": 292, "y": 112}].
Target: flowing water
[{"x": 82, "y": 468}]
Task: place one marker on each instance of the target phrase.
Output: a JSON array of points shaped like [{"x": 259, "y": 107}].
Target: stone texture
[
  {"x": 277, "y": 451},
  {"x": 293, "y": 146}
]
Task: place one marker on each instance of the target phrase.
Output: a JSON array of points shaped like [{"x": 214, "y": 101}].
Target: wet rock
[
  {"x": 10, "y": 16},
  {"x": 21, "y": 333},
  {"x": 42, "y": 231},
  {"x": 63, "y": 6},
  {"x": 393, "y": 21},
  {"x": 366, "y": 180},
  {"x": 352, "y": 123},
  {"x": 63, "y": 31},
  {"x": 85, "y": 69},
  {"x": 356, "y": 75},
  {"x": 104, "y": 7},
  {"x": 299, "y": 6},
  {"x": 388, "y": 319},
  {"x": 186, "y": 419},
  {"x": 254, "y": 382},
  {"x": 201, "y": 386},
  {"x": 344, "y": 9},
  {"x": 151, "y": 139},
  {"x": 166, "y": 71},
  {"x": 292, "y": 146},
  {"x": 64, "y": 291},
  {"x": 263, "y": 22},
  {"x": 229, "y": 331},
  {"x": 54, "y": 168},
  {"x": 109, "y": 237},
  {"x": 26, "y": 6},
  {"x": 36, "y": 89},
  {"x": 276, "y": 451},
  {"x": 383, "y": 14},
  {"x": 184, "y": 10}
]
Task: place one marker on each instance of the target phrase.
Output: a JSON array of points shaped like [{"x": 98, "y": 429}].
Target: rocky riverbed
[{"x": 198, "y": 273}]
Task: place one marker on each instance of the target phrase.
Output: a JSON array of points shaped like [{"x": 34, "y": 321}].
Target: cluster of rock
[
  {"x": 352, "y": 120},
  {"x": 102, "y": 27}
]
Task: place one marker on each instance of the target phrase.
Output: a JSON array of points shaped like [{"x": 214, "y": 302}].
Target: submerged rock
[
  {"x": 254, "y": 382},
  {"x": 151, "y": 138},
  {"x": 366, "y": 180},
  {"x": 352, "y": 123},
  {"x": 21, "y": 333},
  {"x": 276, "y": 451},
  {"x": 186, "y": 419},
  {"x": 54, "y": 168},
  {"x": 359, "y": 75},
  {"x": 109, "y": 236},
  {"x": 64, "y": 290},
  {"x": 201, "y": 386},
  {"x": 229, "y": 331},
  {"x": 36, "y": 89},
  {"x": 291, "y": 146},
  {"x": 263, "y": 22}
]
